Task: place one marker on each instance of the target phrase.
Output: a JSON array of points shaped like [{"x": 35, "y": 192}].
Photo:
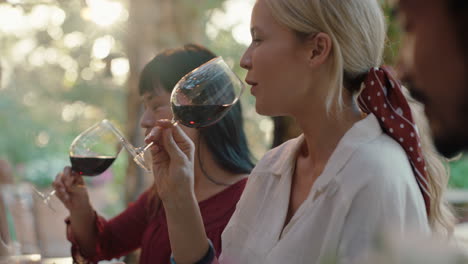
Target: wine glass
[
  {"x": 91, "y": 152},
  {"x": 201, "y": 98}
]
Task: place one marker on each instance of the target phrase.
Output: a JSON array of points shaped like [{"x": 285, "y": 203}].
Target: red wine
[
  {"x": 199, "y": 115},
  {"x": 91, "y": 166}
]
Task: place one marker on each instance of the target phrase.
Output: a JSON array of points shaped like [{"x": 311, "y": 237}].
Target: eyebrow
[{"x": 146, "y": 97}]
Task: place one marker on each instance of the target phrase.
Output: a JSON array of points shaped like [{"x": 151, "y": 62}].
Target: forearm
[
  {"x": 82, "y": 224},
  {"x": 187, "y": 235}
]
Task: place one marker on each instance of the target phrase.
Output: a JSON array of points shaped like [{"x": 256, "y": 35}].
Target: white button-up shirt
[{"x": 366, "y": 185}]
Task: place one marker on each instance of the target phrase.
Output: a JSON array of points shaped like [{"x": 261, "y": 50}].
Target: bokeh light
[
  {"x": 104, "y": 13},
  {"x": 120, "y": 67},
  {"x": 229, "y": 19},
  {"x": 102, "y": 46},
  {"x": 74, "y": 39}
]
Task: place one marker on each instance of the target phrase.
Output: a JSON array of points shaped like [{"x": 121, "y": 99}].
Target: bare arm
[
  {"x": 173, "y": 170},
  {"x": 187, "y": 235}
]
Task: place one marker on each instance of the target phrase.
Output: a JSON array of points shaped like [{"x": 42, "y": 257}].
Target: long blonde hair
[{"x": 358, "y": 32}]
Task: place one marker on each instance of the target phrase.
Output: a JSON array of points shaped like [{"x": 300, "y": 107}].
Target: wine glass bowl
[
  {"x": 95, "y": 149},
  {"x": 203, "y": 96}
]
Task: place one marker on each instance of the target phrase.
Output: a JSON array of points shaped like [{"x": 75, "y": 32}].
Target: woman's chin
[{"x": 262, "y": 110}]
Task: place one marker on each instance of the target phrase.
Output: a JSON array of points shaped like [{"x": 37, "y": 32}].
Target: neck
[
  {"x": 323, "y": 131},
  {"x": 210, "y": 178}
]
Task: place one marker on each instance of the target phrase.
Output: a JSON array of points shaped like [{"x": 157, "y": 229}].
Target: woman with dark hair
[{"x": 223, "y": 161}]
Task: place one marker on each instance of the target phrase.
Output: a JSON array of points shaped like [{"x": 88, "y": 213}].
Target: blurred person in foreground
[
  {"x": 222, "y": 163},
  {"x": 359, "y": 167},
  {"x": 434, "y": 66}
]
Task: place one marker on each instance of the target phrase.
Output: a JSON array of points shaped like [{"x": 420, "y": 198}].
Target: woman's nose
[
  {"x": 147, "y": 119},
  {"x": 246, "y": 60}
]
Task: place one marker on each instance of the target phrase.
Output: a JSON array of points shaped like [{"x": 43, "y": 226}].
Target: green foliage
[
  {"x": 52, "y": 90},
  {"x": 459, "y": 173},
  {"x": 393, "y": 34}
]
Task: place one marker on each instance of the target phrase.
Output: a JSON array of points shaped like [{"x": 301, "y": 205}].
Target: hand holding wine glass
[
  {"x": 173, "y": 160},
  {"x": 71, "y": 190},
  {"x": 91, "y": 153},
  {"x": 201, "y": 98}
]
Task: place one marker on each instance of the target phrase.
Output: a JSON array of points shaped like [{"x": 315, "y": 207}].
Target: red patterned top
[{"x": 135, "y": 228}]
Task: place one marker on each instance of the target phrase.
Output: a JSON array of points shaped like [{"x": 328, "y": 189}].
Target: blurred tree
[
  {"x": 53, "y": 80},
  {"x": 152, "y": 26}
]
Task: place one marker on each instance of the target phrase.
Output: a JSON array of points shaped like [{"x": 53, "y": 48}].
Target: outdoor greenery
[{"x": 64, "y": 66}]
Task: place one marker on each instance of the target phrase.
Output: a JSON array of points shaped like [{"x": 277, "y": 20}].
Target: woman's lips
[{"x": 253, "y": 86}]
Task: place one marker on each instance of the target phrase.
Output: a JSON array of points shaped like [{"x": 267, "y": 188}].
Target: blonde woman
[{"x": 359, "y": 167}]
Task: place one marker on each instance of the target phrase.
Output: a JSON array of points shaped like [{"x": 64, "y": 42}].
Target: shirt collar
[
  {"x": 360, "y": 133},
  {"x": 285, "y": 161}
]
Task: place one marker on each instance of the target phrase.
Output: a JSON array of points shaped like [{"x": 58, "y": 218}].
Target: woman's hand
[
  {"x": 71, "y": 190},
  {"x": 173, "y": 165}
]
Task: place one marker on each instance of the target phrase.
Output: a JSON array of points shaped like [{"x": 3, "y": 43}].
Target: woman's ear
[{"x": 319, "y": 46}]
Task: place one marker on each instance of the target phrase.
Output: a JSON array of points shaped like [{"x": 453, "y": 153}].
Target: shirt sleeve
[{"x": 116, "y": 237}]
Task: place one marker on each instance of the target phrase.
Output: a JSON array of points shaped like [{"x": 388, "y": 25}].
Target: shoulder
[
  {"x": 143, "y": 198},
  {"x": 379, "y": 181},
  {"x": 380, "y": 171},
  {"x": 382, "y": 159},
  {"x": 278, "y": 155}
]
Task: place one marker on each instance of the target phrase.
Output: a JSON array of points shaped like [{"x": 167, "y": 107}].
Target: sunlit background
[{"x": 66, "y": 65}]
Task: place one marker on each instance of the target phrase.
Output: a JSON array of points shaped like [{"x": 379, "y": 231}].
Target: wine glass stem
[
  {"x": 51, "y": 194},
  {"x": 46, "y": 197},
  {"x": 147, "y": 146}
]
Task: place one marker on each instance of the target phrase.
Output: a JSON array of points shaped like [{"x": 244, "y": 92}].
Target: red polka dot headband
[{"x": 382, "y": 96}]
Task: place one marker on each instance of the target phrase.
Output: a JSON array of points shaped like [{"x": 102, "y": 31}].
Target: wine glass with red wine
[
  {"x": 95, "y": 149},
  {"x": 92, "y": 152},
  {"x": 205, "y": 95},
  {"x": 199, "y": 99},
  {"x": 202, "y": 97}
]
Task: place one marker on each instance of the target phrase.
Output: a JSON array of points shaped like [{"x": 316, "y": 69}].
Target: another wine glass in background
[
  {"x": 92, "y": 152},
  {"x": 201, "y": 98}
]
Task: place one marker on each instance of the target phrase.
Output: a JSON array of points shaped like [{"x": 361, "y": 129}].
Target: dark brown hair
[{"x": 226, "y": 138}]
